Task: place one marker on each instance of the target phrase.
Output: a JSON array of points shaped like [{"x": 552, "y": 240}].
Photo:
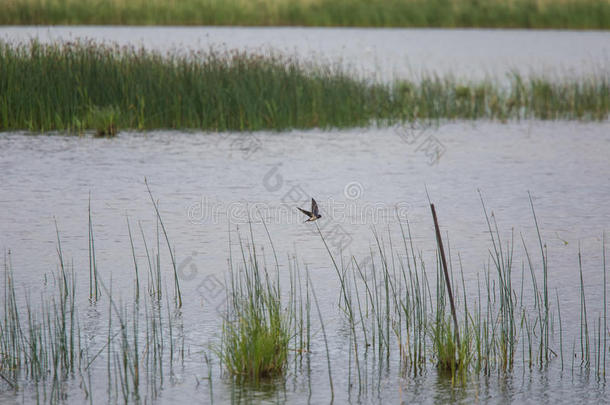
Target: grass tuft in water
[
  {"x": 453, "y": 356},
  {"x": 255, "y": 342},
  {"x": 258, "y": 333}
]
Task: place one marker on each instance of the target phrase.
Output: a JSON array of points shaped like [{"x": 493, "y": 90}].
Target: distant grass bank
[
  {"x": 87, "y": 86},
  {"x": 555, "y": 14}
]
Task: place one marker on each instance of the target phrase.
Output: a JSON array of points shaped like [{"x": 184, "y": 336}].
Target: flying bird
[{"x": 314, "y": 213}]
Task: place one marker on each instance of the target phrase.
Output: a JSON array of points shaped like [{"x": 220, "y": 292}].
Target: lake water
[{"x": 364, "y": 181}]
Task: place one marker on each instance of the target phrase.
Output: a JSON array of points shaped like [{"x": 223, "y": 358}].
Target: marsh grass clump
[
  {"x": 103, "y": 120},
  {"x": 261, "y": 326},
  {"x": 452, "y": 358},
  {"x": 521, "y": 97},
  {"x": 256, "y": 337}
]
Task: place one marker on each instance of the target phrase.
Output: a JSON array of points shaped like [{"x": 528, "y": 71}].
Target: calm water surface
[
  {"x": 207, "y": 182},
  {"x": 210, "y": 185}
]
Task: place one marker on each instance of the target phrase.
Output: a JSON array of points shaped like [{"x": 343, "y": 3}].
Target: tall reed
[
  {"x": 496, "y": 325},
  {"x": 54, "y": 87}
]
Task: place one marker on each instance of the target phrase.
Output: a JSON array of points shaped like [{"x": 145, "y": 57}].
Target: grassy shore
[
  {"x": 86, "y": 86},
  {"x": 555, "y": 14}
]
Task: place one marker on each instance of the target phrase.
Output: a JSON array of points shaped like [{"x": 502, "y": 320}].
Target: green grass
[
  {"x": 255, "y": 341},
  {"x": 452, "y": 358},
  {"x": 395, "y": 306},
  {"x": 102, "y": 119},
  {"x": 86, "y": 86},
  {"x": 261, "y": 328},
  {"x": 571, "y": 14}
]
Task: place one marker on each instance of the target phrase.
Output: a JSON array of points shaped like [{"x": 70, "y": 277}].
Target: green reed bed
[
  {"x": 84, "y": 86},
  {"x": 402, "y": 309},
  {"x": 44, "y": 348},
  {"x": 571, "y": 14},
  {"x": 40, "y": 342},
  {"x": 452, "y": 357}
]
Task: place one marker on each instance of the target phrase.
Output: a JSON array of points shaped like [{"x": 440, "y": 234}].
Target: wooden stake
[{"x": 439, "y": 241}]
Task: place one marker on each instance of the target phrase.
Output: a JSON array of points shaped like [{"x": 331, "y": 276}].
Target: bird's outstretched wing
[
  {"x": 314, "y": 207},
  {"x": 304, "y": 211}
]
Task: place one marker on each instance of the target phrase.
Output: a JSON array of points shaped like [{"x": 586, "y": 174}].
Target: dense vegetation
[
  {"x": 82, "y": 86},
  {"x": 570, "y": 14}
]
